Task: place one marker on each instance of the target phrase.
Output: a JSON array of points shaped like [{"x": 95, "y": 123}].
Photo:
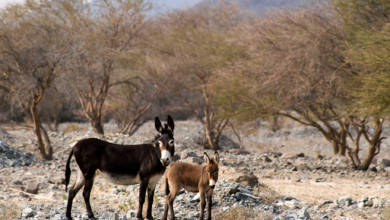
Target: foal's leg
[
  {"x": 166, "y": 206},
  {"x": 170, "y": 198},
  {"x": 209, "y": 204},
  {"x": 142, "y": 191},
  {"x": 73, "y": 192},
  {"x": 87, "y": 192},
  {"x": 202, "y": 204},
  {"x": 150, "y": 202}
]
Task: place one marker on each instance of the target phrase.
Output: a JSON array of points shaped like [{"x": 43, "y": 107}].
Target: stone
[
  {"x": 267, "y": 159},
  {"x": 32, "y": 187},
  {"x": 385, "y": 163},
  {"x": 325, "y": 217},
  {"x": 110, "y": 216},
  {"x": 344, "y": 201},
  {"x": 131, "y": 214},
  {"x": 248, "y": 180},
  {"x": 196, "y": 198},
  {"x": 197, "y": 160},
  {"x": 303, "y": 214},
  {"x": 320, "y": 180},
  {"x": 369, "y": 203},
  {"x": 28, "y": 212}
]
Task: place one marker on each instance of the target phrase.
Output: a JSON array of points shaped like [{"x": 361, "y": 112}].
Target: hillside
[{"x": 260, "y": 7}]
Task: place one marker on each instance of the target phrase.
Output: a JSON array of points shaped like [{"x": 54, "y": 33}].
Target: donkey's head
[
  {"x": 212, "y": 168},
  {"x": 165, "y": 140}
]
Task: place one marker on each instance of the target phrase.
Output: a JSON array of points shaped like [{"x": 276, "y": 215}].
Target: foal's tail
[{"x": 67, "y": 171}]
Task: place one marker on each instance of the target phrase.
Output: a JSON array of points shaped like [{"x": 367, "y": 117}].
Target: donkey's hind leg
[
  {"x": 87, "y": 192},
  {"x": 73, "y": 192}
]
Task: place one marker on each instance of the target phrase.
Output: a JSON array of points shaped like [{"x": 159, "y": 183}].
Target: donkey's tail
[
  {"x": 166, "y": 186},
  {"x": 67, "y": 171}
]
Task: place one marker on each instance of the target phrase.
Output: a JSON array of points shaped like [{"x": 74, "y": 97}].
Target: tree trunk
[
  {"x": 342, "y": 150},
  {"x": 370, "y": 156},
  {"x": 97, "y": 126},
  {"x": 209, "y": 138},
  {"x": 338, "y": 148},
  {"x": 46, "y": 141},
  {"x": 45, "y": 149},
  {"x": 354, "y": 156},
  {"x": 335, "y": 147}
]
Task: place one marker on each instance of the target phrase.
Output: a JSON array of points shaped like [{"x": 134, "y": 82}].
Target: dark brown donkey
[
  {"x": 193, "y": 178},
  {"x": 122, "y": 164}
]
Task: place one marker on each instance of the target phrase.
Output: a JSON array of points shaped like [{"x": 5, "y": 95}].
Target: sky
[
  {"x": 160, "y": 5},
  {"x": 5, "y": 2}
]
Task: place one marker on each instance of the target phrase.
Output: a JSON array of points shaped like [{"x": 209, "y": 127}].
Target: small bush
[
  {"x": 267, "y": 194},
  {"x": 74, "y": 127},
  {"x": 242, "y": 214}
]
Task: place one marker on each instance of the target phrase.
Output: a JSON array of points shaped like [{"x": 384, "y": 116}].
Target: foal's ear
[
  {"x": 206, "y": 158},
  {"x": 157, "y": 124},
  {"x": 216, "y": 156},
  {"x": 171, "y": 124}
]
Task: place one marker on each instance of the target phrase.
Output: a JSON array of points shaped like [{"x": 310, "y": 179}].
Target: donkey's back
[{"x": 95, "y": 154}]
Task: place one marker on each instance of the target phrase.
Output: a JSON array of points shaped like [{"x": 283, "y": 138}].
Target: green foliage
[
  {"x": 363, "y": 14},
  {"x": 370, "y": 55}
]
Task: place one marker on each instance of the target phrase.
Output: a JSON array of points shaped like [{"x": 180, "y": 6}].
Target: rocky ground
[{"x": 277, "y": 176}]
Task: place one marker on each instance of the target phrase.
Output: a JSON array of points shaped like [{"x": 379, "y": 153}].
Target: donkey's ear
[
  {"x": 206, "y": 158},
  {"x": 216, "y": 156},
  {"x": 157, "y": 124},
  {"x": 171, "y": 124}
]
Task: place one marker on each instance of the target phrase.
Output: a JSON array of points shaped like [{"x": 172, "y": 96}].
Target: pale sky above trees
[{"x": 161, "y": 5}]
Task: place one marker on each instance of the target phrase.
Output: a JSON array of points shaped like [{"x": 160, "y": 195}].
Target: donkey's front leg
[
  {"x": 142, "y": 191},
  {"x": 150, "y": 203}
]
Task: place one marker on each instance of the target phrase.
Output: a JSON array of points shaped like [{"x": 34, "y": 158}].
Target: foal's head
[
  {"x": 212, "y": 168},
  {"x": 164, "y": 140}
]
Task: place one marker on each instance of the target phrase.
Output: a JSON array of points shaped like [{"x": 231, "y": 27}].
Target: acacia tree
[
  {"x": 101, "y": 31},
  {"x": 31, "y": 49},
  {"x": 130, "y": 103},
  {"x": 367, "y": 24},
  {"x": 298, "y": 71},
  {"x": 195, "y": 46}
]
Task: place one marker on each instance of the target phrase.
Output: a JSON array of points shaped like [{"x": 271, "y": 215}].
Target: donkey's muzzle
[
  {"x": 165, "y": 157},
  {"x": 165, "y": 162}
]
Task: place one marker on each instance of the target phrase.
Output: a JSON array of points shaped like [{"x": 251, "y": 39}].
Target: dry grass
[
  {"x": 386, "y": 213},
  {"x": 9, "y": 211},
  {"x": 242, "y": 214},
  {"x": 74, "y": 127},
  {"x": 267, "y": 194}
]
